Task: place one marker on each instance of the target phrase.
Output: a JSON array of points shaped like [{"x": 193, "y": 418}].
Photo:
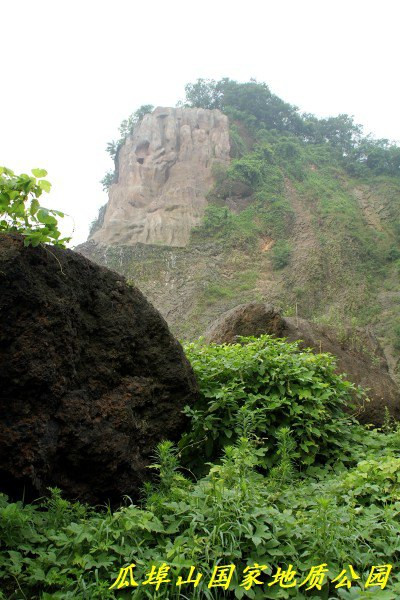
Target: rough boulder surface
[
  {"x": 90, "y": 377},
  {"x": 163, "y": 173},
  {"x": 254, "y": 318},
  {"x": 363, "y": 364}
]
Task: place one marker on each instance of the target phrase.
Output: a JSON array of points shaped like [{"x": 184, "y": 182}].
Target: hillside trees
[{"x": 254, "y": 104}]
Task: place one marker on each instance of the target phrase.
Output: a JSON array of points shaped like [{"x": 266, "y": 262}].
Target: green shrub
[
  {"x": 396, "y": 335},
  {"x": 20, "y": 210},
  {"x": 281, "y": 253},
  {"x": 108, "y": 180},
  {"x": 216, "y": 219},
  {"x": 238, "y": 147},
  {"x": 278, "y": 408},
  {"x": 277, "y": 386},
  {"x": 374, "y": 480}
]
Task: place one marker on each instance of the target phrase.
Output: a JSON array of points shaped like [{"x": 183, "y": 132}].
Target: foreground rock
[
  {"x": 360, "y": 358},
  {"x": 90, "y": 377}
]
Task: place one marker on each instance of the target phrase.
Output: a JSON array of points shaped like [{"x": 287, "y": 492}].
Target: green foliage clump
[
  {"x": 377, "y": 480},
  {"x": 259, "y": 176},
  {"x": 21, "y": 212},
  {"x": 108, "y": 180},
  {"x": 277, "y": 385},
  {"x": 238, "y": 146},
  {"x": 255, "y": 105},
  {"x": 125, "y": 130},
  {"x": 396, "y": 335},
  {"x": 216, "y": 218},
  {"x": 281, "y": 254},
  {"x": 251, "y": 99},
  {"x": 258, "y": 168}
]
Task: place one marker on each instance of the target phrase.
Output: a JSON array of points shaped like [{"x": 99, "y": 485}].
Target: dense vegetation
[
  {"x": 255, "y": 105},
  {"x": 293, "y": 481},
  {"x": 20, "y": 210}
]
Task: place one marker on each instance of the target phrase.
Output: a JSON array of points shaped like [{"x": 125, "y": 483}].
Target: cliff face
[
  {"x": 164, "y": 173},
  {"x": 289, "y": 226}
]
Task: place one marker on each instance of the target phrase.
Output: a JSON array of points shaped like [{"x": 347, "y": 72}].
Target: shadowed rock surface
[
  {"x": 90, "y": 377},
  {"x": 359, "y": 355}
]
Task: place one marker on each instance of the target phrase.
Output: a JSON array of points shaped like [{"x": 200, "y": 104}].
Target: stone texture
[
  {"x": 90, "y": 377},
  {"x": 164, "y": 173},
  {"x": 362, "y": 360},
  {"x": 254, "y": 318}
]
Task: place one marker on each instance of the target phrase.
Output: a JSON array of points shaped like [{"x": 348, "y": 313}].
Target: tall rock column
[{"x": 164, "y": 171}]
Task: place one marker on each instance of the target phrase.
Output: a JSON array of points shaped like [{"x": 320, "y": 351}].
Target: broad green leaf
[
  {"x": 34, "y": 207},
  {"x": 44, "y": 185},
  {"x": 39, "y": 172},
  {"x": 46, "y": 218}
]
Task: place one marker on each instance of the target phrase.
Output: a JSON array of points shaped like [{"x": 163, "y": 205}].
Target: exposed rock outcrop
[
  {"x": 90, "y": 377},
  {"x": 254, "y": 318},
  {"x": 164, "y": 172},
  {"x": 362, "y": 360}
]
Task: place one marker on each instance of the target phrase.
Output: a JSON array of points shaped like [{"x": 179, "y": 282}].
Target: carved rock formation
[
  {"x": 164, "y": 173},
  {"x": 364, "y": 363},
  {"x": 91, "y": 379}
]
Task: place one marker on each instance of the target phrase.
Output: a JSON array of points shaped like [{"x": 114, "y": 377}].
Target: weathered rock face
[
  {"x": 164, "y": 173},
  {"x": 254, "y": 318},
  {"x": 364, "y": 365},
  {"x": 90, "y": 377}
]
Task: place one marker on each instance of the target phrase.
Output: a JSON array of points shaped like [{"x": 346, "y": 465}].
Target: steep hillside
[{"x": 300, "y": 212}]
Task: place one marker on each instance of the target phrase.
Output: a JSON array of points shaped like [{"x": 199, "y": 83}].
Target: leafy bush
[
  {"x": 374, "y": 480},
  {"x": 281, "y": 254},
  {"x": 108, "y": 180},
  {"x": 276, "y": 385},
  {"x": 238, "y": 146},
  {"x": 20, "y": 210},
  {"x": 215, "y": 219}
]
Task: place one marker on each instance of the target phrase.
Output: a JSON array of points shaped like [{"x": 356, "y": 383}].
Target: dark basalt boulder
[
  {"x": 91, "y": 378},
  {"x": 361, "y": 360}
]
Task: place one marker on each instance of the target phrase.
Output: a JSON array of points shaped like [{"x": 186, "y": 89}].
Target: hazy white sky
[{"x": 72, "y": 70}]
